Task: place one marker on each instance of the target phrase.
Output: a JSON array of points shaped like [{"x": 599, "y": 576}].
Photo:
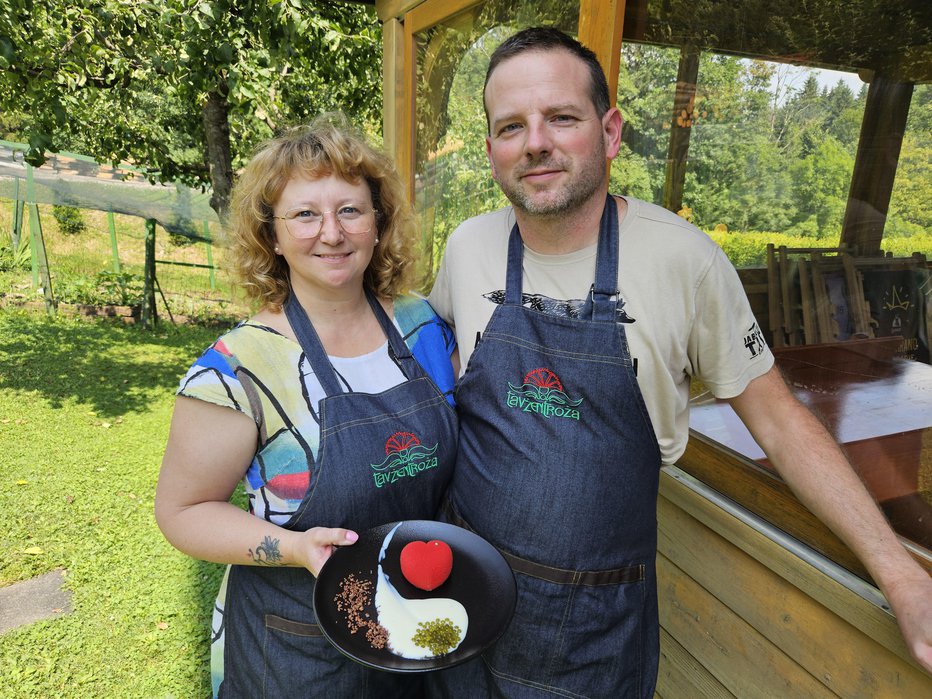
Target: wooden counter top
[{"x": 879, "y": 408}]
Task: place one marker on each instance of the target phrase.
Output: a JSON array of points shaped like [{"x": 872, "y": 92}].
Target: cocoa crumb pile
[{"x": 355, "y": 595}]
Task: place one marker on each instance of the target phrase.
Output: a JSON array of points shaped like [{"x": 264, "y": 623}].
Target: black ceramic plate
[{"x": 481, "y": 581}]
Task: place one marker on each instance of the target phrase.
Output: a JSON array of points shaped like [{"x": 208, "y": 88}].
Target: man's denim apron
[
  {"x": 558, "y": 467},
  {"x": 273, "y": 646}
]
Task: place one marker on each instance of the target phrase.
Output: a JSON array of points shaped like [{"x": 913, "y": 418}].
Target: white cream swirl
[{"x": 400, "y": 616}]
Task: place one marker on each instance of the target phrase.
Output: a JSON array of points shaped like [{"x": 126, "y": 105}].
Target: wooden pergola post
[
  {"x": 600, "y": 25},
  {"x": 684, "y": 102},
  {"x": 393, "y": 93},
  {"x": 875, "y": 164}
]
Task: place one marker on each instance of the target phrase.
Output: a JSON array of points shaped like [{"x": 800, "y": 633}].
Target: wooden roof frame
[{"x": 600, "y": 28}]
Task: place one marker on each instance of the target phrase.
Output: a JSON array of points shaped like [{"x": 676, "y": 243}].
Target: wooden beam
[
  {"x": 743, "y": 660},
  {"x": 684, "y": 105},
  {"x": 393, "y": 95},
  {"x": 394, "y": 9},
  {"x": 809, "y": 306},
  {"x": 765, "y": 494},
  {"x": 774, "y": 298},
  {"x": 875, "y": 164},
  {"x": 681, "y": 675},
  {"x": 433, "y": 12},
  {"x": 600, "y": 25},
  {"x": 852, "y": 606},
  {"x": 407, "y": 133},
  {"x": 420, "y": 18}
]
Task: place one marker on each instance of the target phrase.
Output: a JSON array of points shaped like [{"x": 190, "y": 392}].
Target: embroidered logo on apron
[
  {"x": 542, "y": 392},
  {"x": 405, "y": 457}
]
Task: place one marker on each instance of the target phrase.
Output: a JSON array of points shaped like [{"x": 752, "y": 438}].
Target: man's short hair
[{"x": 550, "y": 39}]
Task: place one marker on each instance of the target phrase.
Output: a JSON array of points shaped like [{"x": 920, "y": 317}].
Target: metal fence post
[
  {"x": 40, "y": 260},
  {"x": 113, "y": 243},
  {"x": 148, "y": 313},
  {"x": 210, "y": 257},
  {"x": 17, "y": 216}
]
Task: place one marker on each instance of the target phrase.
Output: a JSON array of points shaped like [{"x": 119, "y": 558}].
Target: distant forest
[{"x": 770, "y": 149}]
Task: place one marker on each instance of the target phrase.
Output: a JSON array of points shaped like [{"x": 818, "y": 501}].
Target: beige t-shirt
[{"x": 684, "y": 310}]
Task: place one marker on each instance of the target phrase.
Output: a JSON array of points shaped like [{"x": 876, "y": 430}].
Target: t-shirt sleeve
[
  {"x": 212, "y": 378},
  {"x": 726, "y": 346},
  {"x": 441, "y": 295}
]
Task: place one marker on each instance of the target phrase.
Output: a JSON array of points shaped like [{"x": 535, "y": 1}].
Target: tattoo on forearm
[{"x": 267, "y": 553}]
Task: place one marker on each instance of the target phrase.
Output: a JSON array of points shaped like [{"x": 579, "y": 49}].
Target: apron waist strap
[{"x": 560, "y": 576}]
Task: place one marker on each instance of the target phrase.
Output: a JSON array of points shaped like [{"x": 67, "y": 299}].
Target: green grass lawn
[{"x": 84, "y": 414}]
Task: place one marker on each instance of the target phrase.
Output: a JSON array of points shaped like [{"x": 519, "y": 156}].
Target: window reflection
[
  {"x": 452, "y": 178},
  {"x": 798, "y": 135}
]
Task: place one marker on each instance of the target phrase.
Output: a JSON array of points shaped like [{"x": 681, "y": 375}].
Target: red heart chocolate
[{"x": 426, "y": 564}]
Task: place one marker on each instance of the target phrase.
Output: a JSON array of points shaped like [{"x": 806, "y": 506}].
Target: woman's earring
[
  {"x": 278, "y": 250},
  {"x": 377, "y": 240}
]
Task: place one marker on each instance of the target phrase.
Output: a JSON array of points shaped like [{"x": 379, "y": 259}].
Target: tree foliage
[
  {"x": 771, "y": 148},
  {"x": 765, "y": 154},
  {"x": 185, "y": 88}
]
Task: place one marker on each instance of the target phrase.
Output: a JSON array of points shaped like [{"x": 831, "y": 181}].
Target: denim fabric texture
[
  {"x": 274, "y": 647},
  {"x": 558, "y": 465}
]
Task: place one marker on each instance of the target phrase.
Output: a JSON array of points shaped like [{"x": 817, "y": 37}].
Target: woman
[{"x": 301, "y": 402}]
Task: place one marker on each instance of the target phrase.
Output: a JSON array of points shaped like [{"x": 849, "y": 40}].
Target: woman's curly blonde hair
[{"x": 327, "y": 146}]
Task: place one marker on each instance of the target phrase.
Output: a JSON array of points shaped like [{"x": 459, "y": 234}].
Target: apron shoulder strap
[
  {"x": 320, "y": 362},
  {"x": 515, "y": 271},
  {"x": 313, "y": 349},
  {"x": 605, "y": 289},
  {"x": 604, "y": 292},
  {"x": 398, "y": 349}
]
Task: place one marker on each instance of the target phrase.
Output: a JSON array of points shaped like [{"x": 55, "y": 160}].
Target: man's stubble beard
[{"x": 578, "y": 191}]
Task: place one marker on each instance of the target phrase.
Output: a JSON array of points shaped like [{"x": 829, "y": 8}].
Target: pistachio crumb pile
[{"x": 439, "y": 636}]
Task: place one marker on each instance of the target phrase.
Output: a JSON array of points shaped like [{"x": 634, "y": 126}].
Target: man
[{"x": 580, "y": 318}]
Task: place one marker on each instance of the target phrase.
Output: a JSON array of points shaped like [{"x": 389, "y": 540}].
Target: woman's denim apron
[
  {"x": 558, "y": 467},
  {"x": 273, "y": 646}
]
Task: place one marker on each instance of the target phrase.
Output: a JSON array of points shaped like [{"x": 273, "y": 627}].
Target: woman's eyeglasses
[{"x": 305, "y": 224}]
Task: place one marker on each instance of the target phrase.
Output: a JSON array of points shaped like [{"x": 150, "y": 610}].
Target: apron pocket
[
  {"x": 293, "y": 627},
  {"x": 297, "y": 658},
  {"x": 299, "y": 661},
  {"x": 581, "y": 640}
]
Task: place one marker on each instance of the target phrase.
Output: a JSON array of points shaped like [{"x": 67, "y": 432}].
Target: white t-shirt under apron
[{"x": 684, "y": 309}]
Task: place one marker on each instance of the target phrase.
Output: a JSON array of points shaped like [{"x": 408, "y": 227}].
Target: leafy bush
[
  {"x": 904, "y": 247},
  {"x": 749, "y": 249},
  {"x": 105, "y": 289},
  {"x": 13, "y": 259},
  {"x": 70, "y": 220}
]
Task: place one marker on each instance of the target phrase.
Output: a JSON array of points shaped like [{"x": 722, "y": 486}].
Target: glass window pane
[
  {"x": 806, "y": 126},
  {"x": 747, "y": 117},
  {"x": 803, "y": 125},
  {"x": 452, "y": 176}
]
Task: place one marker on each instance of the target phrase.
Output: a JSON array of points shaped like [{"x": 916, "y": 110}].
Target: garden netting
[{"x": 69, "y": 179}]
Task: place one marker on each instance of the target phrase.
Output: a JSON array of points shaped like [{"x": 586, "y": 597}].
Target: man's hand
[
  {"x": 814, "y": 467},
  {"x": 911, "y": 600}
]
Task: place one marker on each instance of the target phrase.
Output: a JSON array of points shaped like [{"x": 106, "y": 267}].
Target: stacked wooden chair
[{"x": 817, "y": 295}]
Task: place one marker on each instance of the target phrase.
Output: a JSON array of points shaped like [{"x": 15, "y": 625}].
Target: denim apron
[
  {"x": 558, "y": 467},
  {"x": 273, "y": 646}
]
